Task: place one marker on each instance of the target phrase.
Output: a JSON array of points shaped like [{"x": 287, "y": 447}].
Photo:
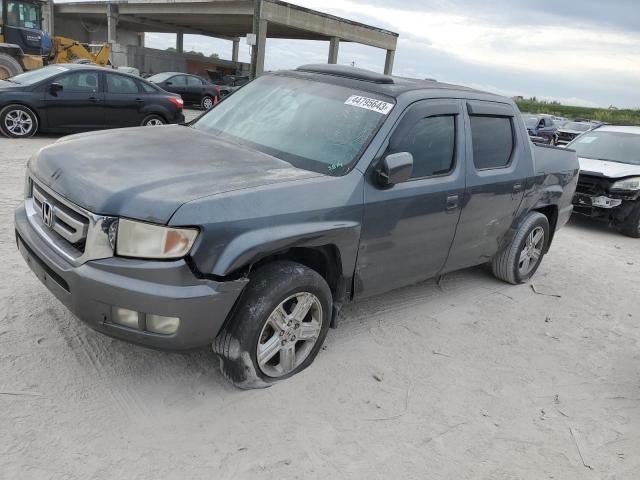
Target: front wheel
[
  {"x": 521, "y": 258},
  {"x": 278, "y": 326},
  {"x": 18, "y": 121},
  {"x": 207, "y": 102},
  {"x": 631, "y": 226}
]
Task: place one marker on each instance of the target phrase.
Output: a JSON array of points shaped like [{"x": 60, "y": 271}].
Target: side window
[
  {"x": 121, "y": 84},
  {"x": 194, "y": 82},
  {"x": 431, "y": 141},
  {"x": 79, "y": 82},
  {"x": 179, "y": 81},
  {"x": 493, "y": 142},
  {"x": 148, "y": 88}
]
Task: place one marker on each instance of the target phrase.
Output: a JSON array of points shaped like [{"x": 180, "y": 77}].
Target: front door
[
  {"x": 498, "y": 166},
  {"x": 408, "y": 229},
  {"x": 79, "y": 104}
]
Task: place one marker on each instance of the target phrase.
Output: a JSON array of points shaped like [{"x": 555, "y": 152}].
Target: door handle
[
  {"x": 452, "y": 202},
  {"x": 517, "y": 188},
  {"x": 139, "y": 100},
  {"x": 94, "y": 99}
]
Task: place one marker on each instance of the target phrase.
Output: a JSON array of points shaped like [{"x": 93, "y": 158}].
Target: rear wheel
[
  {"x": 18, "y": 121},
  {"x": 519, "y": 261},
  {"x": 207, "y": 102},
  {"x": 631, "y": 226},
  {"x": 278, "y": 326},
  {"x": 153, "y": 121},
  {"x": 9, "y": 66}
]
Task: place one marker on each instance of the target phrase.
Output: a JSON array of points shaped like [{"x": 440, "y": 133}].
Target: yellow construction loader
[{"x": 24, "y": 46}]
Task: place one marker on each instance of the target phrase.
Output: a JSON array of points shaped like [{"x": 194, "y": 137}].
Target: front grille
[
  {"x": 60, "y": 217},
  {"x": 590, "y": 185}
]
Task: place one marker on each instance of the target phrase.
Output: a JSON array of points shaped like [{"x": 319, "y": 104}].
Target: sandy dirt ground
[{"x": 472, "y": 379}]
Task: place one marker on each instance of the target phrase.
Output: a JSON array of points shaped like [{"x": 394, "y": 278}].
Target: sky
[{"x": 578, "y": 52}]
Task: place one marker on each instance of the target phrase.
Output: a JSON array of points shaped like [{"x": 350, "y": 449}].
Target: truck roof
[{"x": 392, "y": 86}]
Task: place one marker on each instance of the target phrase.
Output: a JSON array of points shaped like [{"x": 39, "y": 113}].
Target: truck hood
[
  {"x": 603, "y": 168},
  {"x": 147, "y": 173}
]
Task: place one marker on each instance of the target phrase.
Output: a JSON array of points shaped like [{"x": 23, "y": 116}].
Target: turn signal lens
[
  {"x": 161, "y": 324},
  {"x": 124, "y": 317}
]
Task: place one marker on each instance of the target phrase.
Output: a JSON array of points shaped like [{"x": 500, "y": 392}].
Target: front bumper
[
  {"x": 169, "y": 288},
  {"x": 612, "y": 208}
]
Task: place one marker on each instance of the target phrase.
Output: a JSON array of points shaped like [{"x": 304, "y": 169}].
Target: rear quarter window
[{"x": 493, "y": 141}]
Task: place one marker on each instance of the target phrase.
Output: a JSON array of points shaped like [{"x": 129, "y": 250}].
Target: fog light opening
[
  {"x": 125, "y": 317},
  {"x": 161, "y": 324}
]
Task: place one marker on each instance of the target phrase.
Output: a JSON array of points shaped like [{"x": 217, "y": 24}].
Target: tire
[
  {"x": 153, "y": 121},
  {"x": 509, "y": 265},
  {"x": 18, "y": 121},
  {"x": 631, "y": 226},
  {"x": 207, "y": 102},
  {"x": 277, "y": 287},
  {"x": 9, "y": 66}
]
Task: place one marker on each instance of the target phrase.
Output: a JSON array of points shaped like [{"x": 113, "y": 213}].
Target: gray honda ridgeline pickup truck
[{"x": 249, "y": 228}]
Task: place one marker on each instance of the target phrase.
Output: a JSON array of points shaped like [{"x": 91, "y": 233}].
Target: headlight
[
  {"x": 627, "y": 184},
  {"x": 145, "y": 240}
]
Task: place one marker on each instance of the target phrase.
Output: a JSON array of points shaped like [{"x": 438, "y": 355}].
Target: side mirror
[
  {"x": 395, "y": 168},
  {"x": 54, "y": 88},
  {"x": 168, "y": 83}
]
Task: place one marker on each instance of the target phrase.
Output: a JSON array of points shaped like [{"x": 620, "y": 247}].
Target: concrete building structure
[{"x": 123, "y": 24}]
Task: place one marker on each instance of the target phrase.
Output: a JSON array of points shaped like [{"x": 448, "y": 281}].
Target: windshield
[
  {"x": 619, "y": 147},
  {"x": 316, "y": 126},
  {"x": 577, "y": 126},
  {"x": 35, "y": 76},
  {"x": 21, "y": 14},
  {"x": 159, "y": 77}
]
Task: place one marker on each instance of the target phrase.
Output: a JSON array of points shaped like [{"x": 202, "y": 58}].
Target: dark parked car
[
  {"x": 571, "y": 130},
  {"x": 541, "y": 127},
  {"x": 193, "y": 89},
  {"x": 303, "y": 190},
  {"x": 609, "y": 183},
  {"x": 75, "y": 97}
]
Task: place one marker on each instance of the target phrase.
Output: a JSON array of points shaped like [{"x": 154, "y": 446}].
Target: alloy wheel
[
  {"x": 207, "y": 103},
  {"x": 154, "y": 122},
  {"x": 18, "y": 123},
  {"x": 289, "y": 334},
  {"x": 531, "y": 252}
]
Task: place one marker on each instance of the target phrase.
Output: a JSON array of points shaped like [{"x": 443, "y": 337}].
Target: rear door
[
  {"x": 124, "y": 101},
  {"x": 79, "y": 105},
  {"x": 408, "y": 229},
  {"x": 178, "y": 84},
  {"x": 195, "y": 90},
  {"x": 498, "y": 167}
]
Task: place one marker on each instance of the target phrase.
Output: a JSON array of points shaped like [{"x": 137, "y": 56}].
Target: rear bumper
[{"x": 149, "y": 287}]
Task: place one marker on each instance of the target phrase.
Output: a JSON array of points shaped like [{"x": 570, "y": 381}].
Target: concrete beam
[
  {"x": 388, "y": 63},
  {"x": 48, "y": 17},
  {"x": 235, "y": 51},
  {"x": 180, "y": 42},
  {"x": 155, "y": 25},
  {"x": 326, "y": 25},
  {"x": 260, "y": 47},
  {"x": 334, "y": 45}
]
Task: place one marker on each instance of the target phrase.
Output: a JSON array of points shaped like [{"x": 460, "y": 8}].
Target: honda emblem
[{"x": 47, "y": 214}]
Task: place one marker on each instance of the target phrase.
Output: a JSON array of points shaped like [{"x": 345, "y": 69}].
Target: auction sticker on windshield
[{"x": 369, "y": 103}]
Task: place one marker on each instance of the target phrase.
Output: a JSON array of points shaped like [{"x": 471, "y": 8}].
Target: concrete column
[
  {"x": 388, "y": 64},
  {"x": 180, "y": 42},
  {"x": 235, "y": 52},
  {"x": 334, "y": 45},
  {"x": 259, "y": 49},
  {"x": 112, "y": 23}
]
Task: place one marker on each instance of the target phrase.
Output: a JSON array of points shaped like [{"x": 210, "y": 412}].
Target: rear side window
[
  {"x": 194, "y": 82},
  {"x": 492, "y": 139},
  {"x": 148, "y": 88},
  {"x": 431, "y": 141},
  {"x": 121, "y": 84}
]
